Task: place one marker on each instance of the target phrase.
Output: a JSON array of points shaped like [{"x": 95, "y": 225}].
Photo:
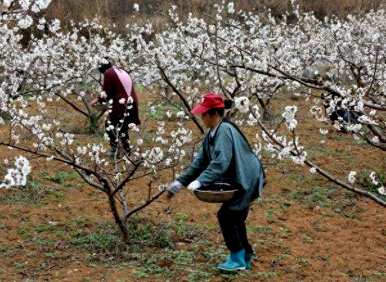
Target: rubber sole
[{"x": 232, "y": 270}]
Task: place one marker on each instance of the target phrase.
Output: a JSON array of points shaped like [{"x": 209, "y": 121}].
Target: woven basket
[{"x": 216, "y": 193}]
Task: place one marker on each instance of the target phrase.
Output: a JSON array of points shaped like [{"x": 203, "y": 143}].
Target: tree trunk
[
  {"x": 117, "y": 218},
  {"x": 93, "y": 123}
]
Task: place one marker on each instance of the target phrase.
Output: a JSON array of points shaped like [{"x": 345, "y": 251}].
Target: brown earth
[{"x": 304, "y": 229}]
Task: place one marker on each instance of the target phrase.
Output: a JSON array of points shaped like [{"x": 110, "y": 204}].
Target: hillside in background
[{"x": 119, "y": 11}]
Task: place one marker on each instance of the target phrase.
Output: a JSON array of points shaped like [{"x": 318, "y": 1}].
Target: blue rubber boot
[
  {"x": 248, "y": 260},
  {"x": 235, "y": 262}
]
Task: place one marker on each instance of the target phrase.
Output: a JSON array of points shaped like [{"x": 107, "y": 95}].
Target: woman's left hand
[
  {"x": 94, "y": 102},
  {"x": 194, "y": 185}
]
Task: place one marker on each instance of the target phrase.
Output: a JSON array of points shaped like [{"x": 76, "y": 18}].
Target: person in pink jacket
[{"x": 123, "y": 105}]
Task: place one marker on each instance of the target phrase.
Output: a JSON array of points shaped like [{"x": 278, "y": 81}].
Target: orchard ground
[{"x": 304, "y": 229}]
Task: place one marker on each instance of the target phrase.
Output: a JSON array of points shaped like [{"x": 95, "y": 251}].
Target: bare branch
[
  {"x": 144, "y": 205},
  {"x": 183, "y": 99}
]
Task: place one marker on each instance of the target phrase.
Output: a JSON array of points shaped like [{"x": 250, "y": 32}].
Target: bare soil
[{"x": 304, "y": 229}]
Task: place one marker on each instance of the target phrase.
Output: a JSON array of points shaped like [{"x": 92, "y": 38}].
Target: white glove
[
  {"x": 194, "y": 185},
  {"x": 174, "y": 187}
]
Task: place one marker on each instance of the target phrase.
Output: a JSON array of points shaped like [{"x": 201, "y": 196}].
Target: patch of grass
[
  {"x": 211, "y": 254},
  {"x": 185, "y": 230},
  {"x": 365, "y": 181},
  {"x": 146, "y": 233},
  {"x": 340, "y": 201},
  {"x": 184, "y": 257},
  {"x": 346, "y": 205},
  {"x": 279, "y": 259},
  {"x": 324, "y": 258},
  {"x": 296, "y": 177},
  {"x": 61, "y": 177},
  {"x": 100, "y": 242},
  {"x": 230, "y": 276},
  {"x": 32, "y": 194},
  {"x": 4, "y": 249},
  {"x": 155, "y": 265},
  {"x": 19, "y": 266},
  {"x": 156, "y": 250},
  {"x": 43, "y": 242},
  {"x": 302, "y": 261},
  {"x": 50, "y": 255},
  {"x": 378, "y": 275},
  {"x": 24, "y": 232},
  {"x": 357, "y": 277},
  {"x": 284, "y": 232},
  {"x": 45, "y": 228},
  {"x": 199, "y": 276},
  {"x": 315, "y": 196},
  {"x": 106, "y": 239},
  {"x": 260, "y": 229},
  {"x": 267, "y": 275},
  {"x": 270, "y": 215},
  {"x": 307, "y": 239},
  {"x": 171, "y": 264},
  {"x": 55, "y": 195},
  {"x": 339, "y": 153},
  {"x": 79, "y": 223}
]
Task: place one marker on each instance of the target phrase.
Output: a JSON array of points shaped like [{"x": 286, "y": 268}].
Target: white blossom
[
  {"x": 103, "y": 95},
  {"x": 374, "y": 179},
  {"x": 231, "y": 7},
  {"x": 181, "y": 114},
  {"x": 17, "y": 177},
  {"x": 54, "y": 26},
  {"x": 7, "y": 3},
  {"x": 43, "y": 4},
  {"x": 25, "y": 22},
  {"x": 168, "y": 161},
  {"x": 313, "y": 170},
  {"x": 25, "y": 4},
  {"x": 289, "y": 117},
  {"x": 139, "y": 142},
  {"x": 354, "y": 127},
  {"x": 242, "y": 104},
  {"x": 375, "y": 139},
  {"x": 352, "y": 177}
]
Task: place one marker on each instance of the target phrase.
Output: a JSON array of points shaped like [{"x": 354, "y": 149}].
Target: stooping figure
[
  {"x": 225, "y": 156},
  {"x": 122, "y": 100}
]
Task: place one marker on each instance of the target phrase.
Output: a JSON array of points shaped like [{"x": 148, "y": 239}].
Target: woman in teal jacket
[{"x": 226, "y": 156}]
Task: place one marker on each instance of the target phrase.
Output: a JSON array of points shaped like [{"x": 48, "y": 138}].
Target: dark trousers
[
  {"x": 233, "y": 229},
  {"x": 119, "y": 135}
]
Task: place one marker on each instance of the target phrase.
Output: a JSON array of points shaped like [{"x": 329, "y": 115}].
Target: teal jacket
[{"x": 227, "y": 156}]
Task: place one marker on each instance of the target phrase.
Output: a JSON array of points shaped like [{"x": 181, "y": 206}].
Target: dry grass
[{"x": 119, "y": 11}]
